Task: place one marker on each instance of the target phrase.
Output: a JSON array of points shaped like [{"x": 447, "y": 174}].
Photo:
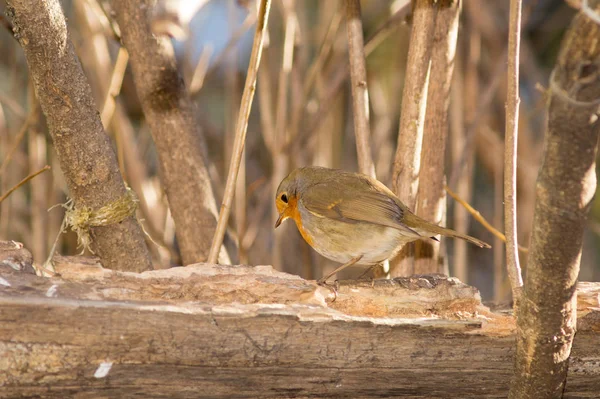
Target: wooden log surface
[{"x": 244, "y": 332}]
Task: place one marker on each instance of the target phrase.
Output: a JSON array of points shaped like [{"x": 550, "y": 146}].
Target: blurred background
[{"x": 301, "y": 116}]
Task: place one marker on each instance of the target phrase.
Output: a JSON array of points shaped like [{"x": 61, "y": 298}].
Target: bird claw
[{"x": 332, "y": 287}]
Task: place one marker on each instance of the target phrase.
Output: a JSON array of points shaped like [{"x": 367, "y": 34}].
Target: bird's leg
[
  {"x": 339, "y": 269},
  {"x": 371, "y": 268}
]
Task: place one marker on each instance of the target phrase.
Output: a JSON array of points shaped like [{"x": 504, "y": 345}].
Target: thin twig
[
  {"x": 325, "y": 50},
  {"x": 114, "y": 88},
  {"x": 313, "y": 72},
  {"x": 108, "y": 109},
  {"x": 13, "y": 105},
  {"x": 201, "y": 69},
  {"x": 591, "y": 14},
  {"x": 241, "y": 129},
  {"x": 25, "y": 180},
  {"x": 360, "y": 91},
  {"x": 510, "y": 150},
  {"x": 18, "y": 138},
  {"x": 343, "y": 72},
  {"x": 281, "y": 158},
  {"x": 407, "y": 161},
  {"x": 477, "y": 216},
  {"x": 483, "y": 107},
  {"x": 232, "y": 93},
  {"x": 105, "y": 19},
  {"x": 267, "y": 109},
  {"x": 233, "y": 41}
]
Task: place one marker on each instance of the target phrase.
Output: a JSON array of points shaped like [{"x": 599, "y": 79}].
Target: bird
[{"x": 352, "y": 218}]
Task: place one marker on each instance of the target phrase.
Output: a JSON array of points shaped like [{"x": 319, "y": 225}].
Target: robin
[{"x": 352, "y": 218}]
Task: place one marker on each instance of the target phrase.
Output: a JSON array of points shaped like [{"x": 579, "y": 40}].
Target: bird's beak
[{"x": 279, "y": 220}]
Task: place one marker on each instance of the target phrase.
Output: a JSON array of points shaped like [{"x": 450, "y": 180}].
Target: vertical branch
[
  {"x": 168, "y": 108},
  {"x": 510, "y": 150},
  {"x": 431, "y": 194},
  {"x": 462, "y": 149},
  {"x": 37, "y": 149},
  {"x": 360, "y": 91},
  {"x": 457, "y": 144},
  {"x": 414, "y": 102},
  {"x": 407, "y": 162},
  {"x": 86, "y": 157},
  {"x": 565, "y": 188},
  {"x": 280, "y": 155},
  {"x": 498, "y": 246},
  {"x": 241, "y": 129},
  {"x": 108, "y": 80},
  {"x": 233, "y": 101}
]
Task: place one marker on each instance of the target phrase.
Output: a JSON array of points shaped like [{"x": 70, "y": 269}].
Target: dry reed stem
[
  {"x": 236, "y": 36},
  {"x": 498, "y": 246},
  {"x": 407, "y": 160},
  {"x": 477, "y": 216},
  {"x": 456, "y": 139},
  {"x": 13, "y": 105},
  {"x": 343, "y": 72},
  {"x": 414, "y": 102},
  {"x": 265, "y": 100},
  {"x": 280, "y": 156},
  {"x": 470, "y": 99},
  {"x": 22, "y": 182},
  {"x": 483, "y": 108},
  {"x": 241, "y": 129},
  {"x": 360, "y": 90},
  {"x": 114, "y": 88},
  {"x": 510, "y": 150},
  {"x": 108, "y": 109},
  {"x": 313, "y": 72},
  {"x": 37, "y": 149},
  {"x": 432, "y": 199},
  {"x": 232, "y": 102},
  {"x": 200, "y": 70},
  {"x": 18, "y": 138}
]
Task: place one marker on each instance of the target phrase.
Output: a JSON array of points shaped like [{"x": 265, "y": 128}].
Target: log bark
[
  {"x": 83, "y": 148},
  {"x": 432, "y": 177},
  {"x": 564, "y": 191},
  {"x": 176, "y": 133},
  {"x": 246, "y": 332}
]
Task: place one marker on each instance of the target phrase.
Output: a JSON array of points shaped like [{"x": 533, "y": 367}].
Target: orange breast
[{"x": 294, "y": 213}]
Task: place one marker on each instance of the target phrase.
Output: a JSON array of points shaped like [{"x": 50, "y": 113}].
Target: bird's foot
[{"x": 332, "y": 287}]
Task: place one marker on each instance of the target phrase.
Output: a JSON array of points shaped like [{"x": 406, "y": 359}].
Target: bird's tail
[{"x": 425, "y": 227}]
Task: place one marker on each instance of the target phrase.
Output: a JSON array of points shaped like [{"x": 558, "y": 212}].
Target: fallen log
[{"x": 245, "y": 332}]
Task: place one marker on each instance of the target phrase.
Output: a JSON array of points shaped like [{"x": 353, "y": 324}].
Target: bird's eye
[{"x": 284, "y": 198}]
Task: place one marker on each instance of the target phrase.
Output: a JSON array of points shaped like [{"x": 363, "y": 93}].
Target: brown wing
[{"x": 354, "y": 201}]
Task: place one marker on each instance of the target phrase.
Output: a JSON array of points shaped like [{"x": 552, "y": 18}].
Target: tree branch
[
  {"x": 510, "y": 150},
  {"x": 431, "y": 194},
  {"x": 360, "y": 91},
  {"x": 546, "y": 316},
  {"x": 84, "y": 150},
  {"x": 241, "y": 128},
  {"x": 175, "y": 130},
  {"x": 407, "y": 162}
]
